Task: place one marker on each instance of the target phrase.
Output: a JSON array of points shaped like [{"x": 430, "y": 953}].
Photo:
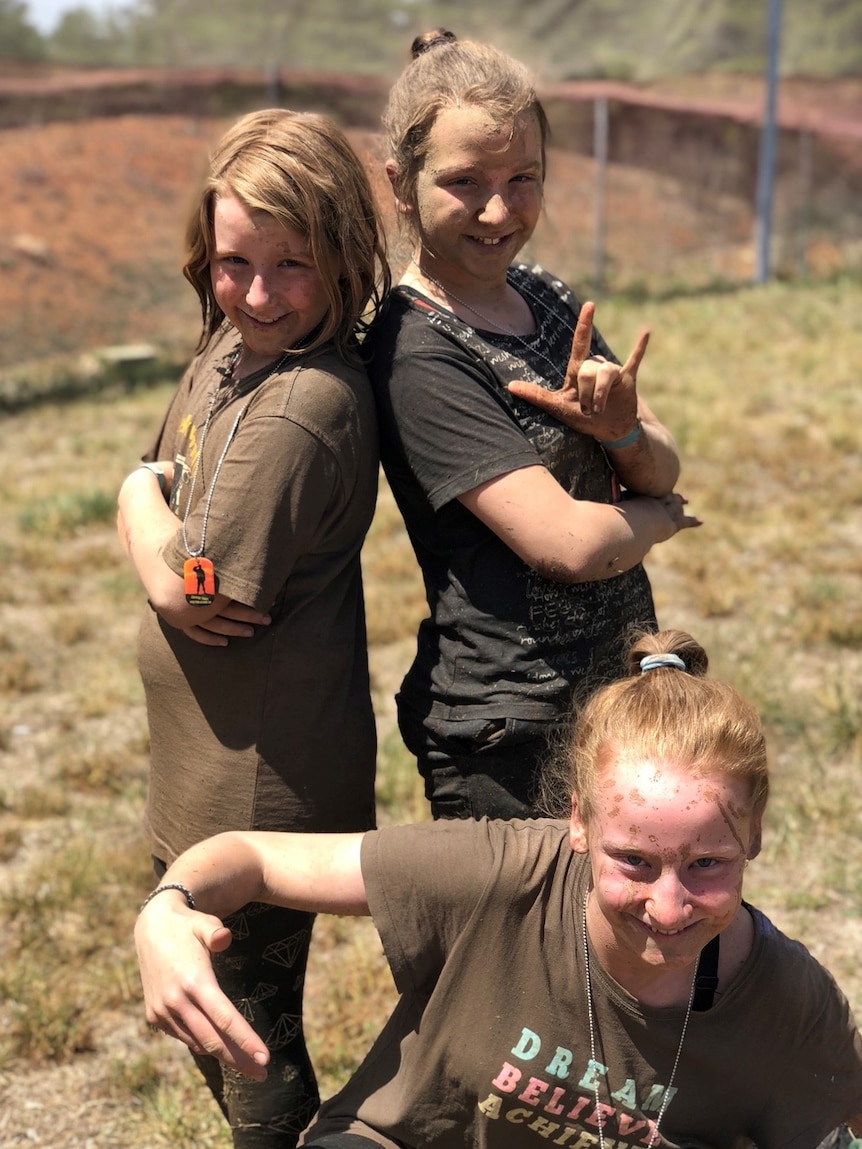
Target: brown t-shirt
[
  {"x": 489, "y": 1043},
  {"x": 275, "y": 732}
]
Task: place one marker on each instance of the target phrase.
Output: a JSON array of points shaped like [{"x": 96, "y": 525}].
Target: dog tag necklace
[
  {"x": 593, "y": 1024},
  {"x": 199, "y": 576}
]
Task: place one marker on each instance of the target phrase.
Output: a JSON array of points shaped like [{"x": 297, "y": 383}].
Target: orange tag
[{"x": 199, "y": 581}]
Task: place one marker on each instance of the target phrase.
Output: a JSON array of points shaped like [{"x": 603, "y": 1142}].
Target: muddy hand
[{"x": 597, "y": 397}]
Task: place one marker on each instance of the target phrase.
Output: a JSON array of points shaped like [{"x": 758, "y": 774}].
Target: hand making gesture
[{"x": 598, "y": 397}]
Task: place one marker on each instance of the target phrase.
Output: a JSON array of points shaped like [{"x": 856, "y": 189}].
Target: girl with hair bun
[
  {"x": 596, "y": 981},
  {"x": 508, "y": 431}
]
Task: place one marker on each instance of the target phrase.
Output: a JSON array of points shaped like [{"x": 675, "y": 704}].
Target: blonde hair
[
  {"x": 298, "y": 168},
  {"x": 668, "y": 713},
  {"x": 444, "y": 73}
]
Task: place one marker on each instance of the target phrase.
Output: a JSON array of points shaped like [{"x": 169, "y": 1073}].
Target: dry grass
[
  {"x": 73, "y": 759},
  {"x": 760, "y": 388}
]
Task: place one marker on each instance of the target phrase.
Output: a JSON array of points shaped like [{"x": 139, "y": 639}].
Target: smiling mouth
[
  {"x": 485, "y": 242},
  {"x": 265, "y": 322}
]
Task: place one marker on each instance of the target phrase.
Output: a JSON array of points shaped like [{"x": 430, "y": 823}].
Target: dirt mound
[{"x": 91, "y": 243}]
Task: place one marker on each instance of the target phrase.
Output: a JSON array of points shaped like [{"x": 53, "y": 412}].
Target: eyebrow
[
  {"x": 726, "y": 852},
  {"x": 469, "y": 168}
]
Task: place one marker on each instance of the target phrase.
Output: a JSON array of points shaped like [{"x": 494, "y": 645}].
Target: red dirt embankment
[{"x": 97, "y": 173}]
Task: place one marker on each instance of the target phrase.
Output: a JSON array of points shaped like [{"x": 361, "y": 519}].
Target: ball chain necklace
[
  {"x": 199, "y": 576},
  {"x": 593, "y": 1023}
]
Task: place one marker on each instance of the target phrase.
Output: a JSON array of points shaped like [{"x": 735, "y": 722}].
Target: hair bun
[{"x": 429, "y": 40}]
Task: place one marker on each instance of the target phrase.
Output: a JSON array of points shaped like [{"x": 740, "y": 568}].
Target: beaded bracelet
[
  {"x": 626, "y": 441},
  {"x": 187, "y": 894}
]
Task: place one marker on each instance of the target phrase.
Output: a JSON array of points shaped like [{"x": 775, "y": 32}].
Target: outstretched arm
[
  {"x": 599, "y": 398},
  {"x": 315, "y": 872}
]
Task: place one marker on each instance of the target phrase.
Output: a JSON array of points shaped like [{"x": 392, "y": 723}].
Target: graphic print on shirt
[
  {"x": 185, "y": 461},
  {"x": 543, "y": 1089},
  {"x": 568, "y": 623}
]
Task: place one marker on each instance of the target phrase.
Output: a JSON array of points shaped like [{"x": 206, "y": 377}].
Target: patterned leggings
[{"x": 263, "y": 972}]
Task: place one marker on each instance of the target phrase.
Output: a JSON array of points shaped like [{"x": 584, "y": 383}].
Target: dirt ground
[
  {"x": 90, "y": 254},
  {"x": 92, "y": 229}
]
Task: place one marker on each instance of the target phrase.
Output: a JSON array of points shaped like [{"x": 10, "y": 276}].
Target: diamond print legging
[{"x": 263, "y": 972}]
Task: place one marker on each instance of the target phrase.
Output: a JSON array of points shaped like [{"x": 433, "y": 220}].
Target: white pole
[
  {"x": 766, "y": 159},
  {"x": 600, "y": 154}
]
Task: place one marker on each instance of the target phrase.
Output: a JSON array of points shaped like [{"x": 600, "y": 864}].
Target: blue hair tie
[{"x": 656, "y": 661}]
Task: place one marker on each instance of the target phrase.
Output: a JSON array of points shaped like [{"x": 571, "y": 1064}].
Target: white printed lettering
[
  {"x": 491, "y": 1106},
  {"x": 518, "y": 1116},
  {"x": 543, "y": 1127}
]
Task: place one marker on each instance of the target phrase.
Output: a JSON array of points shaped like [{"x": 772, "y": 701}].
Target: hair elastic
[{"x": 657, "y": 661}]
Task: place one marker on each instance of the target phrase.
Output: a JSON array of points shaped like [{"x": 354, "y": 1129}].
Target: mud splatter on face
[{"x": 732, "y": 814}]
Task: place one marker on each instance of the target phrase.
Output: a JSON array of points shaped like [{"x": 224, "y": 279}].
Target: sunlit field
[{"x": 761, "y": 389}]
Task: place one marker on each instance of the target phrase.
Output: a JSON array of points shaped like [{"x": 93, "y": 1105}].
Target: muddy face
[{"x": 668, "y": 852}]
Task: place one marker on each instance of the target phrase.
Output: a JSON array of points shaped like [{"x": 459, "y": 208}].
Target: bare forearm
[
  {"x": 320, "y": 873},
  {"x": 650, "y": 466},
  {"x": 146, "y": 526},
  {"x": 605, "y": 541},
  {"x": 571, "y": 540},
  {"x": 175, "y": 943}
]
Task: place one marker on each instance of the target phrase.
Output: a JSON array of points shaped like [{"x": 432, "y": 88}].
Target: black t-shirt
[{"x": 501, "y": 639}]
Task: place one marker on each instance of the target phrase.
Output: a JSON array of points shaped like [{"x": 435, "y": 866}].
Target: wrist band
[
  {"x": 159, "y": 473},
  {"x": 626, "y": 441},
  {"x": 187, "y": 894}
]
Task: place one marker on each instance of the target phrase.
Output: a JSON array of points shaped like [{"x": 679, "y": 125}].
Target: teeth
[{"x": 487, "y": 242}]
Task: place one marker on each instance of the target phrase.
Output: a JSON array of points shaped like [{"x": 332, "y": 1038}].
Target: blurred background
[
  {"x": 699, "y": 144},
  {"x": 704, "y": 180}
]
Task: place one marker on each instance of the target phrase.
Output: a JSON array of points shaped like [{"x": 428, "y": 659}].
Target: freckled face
[
  {"x": 478, "y": 195},
  {"x": 668, "y": 853},
  {"x": 265, "y": 281}
]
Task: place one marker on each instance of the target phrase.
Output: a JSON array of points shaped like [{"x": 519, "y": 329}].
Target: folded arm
[
  {"x": 316, "y": 872},
  {"x": 571, "y": 540},
  {"x": 146, "y": 525}
]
